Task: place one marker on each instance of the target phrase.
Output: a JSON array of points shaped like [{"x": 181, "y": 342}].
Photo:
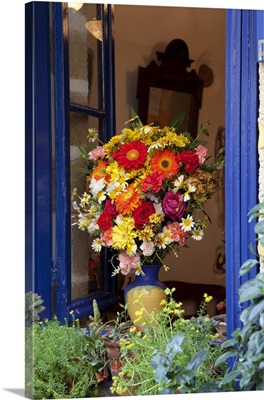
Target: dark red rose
[
  {"x": 111, "y": 208},
  {"x": 142, "y": 213},
  {"x": 189, "y": 160},
  {"x": 104, "y": 221},
  {"x": 173, "y": 206}
]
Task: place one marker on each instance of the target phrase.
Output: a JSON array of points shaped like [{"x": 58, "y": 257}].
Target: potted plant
[{"x": 117, "y": 330}]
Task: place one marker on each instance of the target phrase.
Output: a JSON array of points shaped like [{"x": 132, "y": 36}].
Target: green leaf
[
  {"x": 261, "y": 320},
  {"x": 229, "y": 343},
  {"x": 177, "y": 121},
  {"x": 135, "y": 120},
  {"x": 231, "y": 376},
  {"x": 259, "y": 227},
  {"x": 250, "y": 290},
  {"x": 246, "y": 377},
  {"x": 81, "y": 169},
  {"x": 197, "y": 359},
  {"x": 225, "y": 356},
  {"x": 247, "y": 266},
  {"x": 174, "y": 344},
  {"x": 257, "y": 207},
  {"x": 256, "y": 310}
]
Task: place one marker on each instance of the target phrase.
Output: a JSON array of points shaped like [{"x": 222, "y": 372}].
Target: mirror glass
[{"x": 165, "y": 104}]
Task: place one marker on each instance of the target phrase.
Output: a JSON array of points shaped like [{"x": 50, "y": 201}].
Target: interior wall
[{"x": 140, "y": 31}]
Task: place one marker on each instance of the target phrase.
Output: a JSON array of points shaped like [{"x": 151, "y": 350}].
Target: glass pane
[
  {"x": 83, "y": 57},
  {"x": 86, "y": 275}
]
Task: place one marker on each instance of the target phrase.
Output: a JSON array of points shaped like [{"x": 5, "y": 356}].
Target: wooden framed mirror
[{"x": 169, "y": 89}]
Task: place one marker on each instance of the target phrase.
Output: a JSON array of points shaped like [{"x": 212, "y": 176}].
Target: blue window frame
[
  {"x": 48, "y": 268},
  {"x": 241, "y": 181}
]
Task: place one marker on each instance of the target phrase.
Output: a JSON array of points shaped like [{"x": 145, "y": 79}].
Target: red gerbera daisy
[{"x": 131, "y": 155}]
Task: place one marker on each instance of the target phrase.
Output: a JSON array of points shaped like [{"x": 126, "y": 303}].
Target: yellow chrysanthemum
[
  {"x": 123, "y": 235},
  {"x": 145, "y": 234},
  {"x": 156, "y": 218}
]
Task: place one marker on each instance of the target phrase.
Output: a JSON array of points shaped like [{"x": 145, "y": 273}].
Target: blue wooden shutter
[
  {"x": 38, "y": 176},
  {"x": 241, "y": 151}
]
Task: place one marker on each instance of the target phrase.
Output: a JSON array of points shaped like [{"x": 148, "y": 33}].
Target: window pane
[
  {"x": 83, "y": 57},
  {"x": 87, "y": 276}
]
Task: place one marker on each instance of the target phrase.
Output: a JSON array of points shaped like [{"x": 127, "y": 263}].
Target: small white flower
[
  {"x": 197, "y": 234},
  {"x": 101, "y": 197},
  {"x": 186, "y": 195},
  {"x": 75, "y": 206},
  {"x": 97, "y": 186},
  {"x": 92, "y": 134},
  {"x": 187, "y": 223},
  {"x": 179, "y": 182},
  {"x": 97, "y": 244},
  {"x": 154, "y": 146},
  {"x": 158, "y": 209},
  {"x": 146, "y": 129}
]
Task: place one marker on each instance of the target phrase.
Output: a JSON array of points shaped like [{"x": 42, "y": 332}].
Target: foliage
[
  {"x": 146, "y": 193},
  {"x": 94, "y": 350},
  {"x": 165, "y": 347},
  {"x": 118, "y": 328},
  {"x": 59, "y": 368},
  {"x": 33, "y": 306},
  {"x": 246, "y": 347}
]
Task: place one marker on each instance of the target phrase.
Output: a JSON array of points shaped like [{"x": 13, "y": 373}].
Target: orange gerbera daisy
[
  {"x": 131, "y": 155},
  {"x": 127, "y": 201},
  {"x": 100, "y": 171},
  {"x": 164, "y": 162}
]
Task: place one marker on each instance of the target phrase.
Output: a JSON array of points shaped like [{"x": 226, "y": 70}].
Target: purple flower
[{"x": 173, "y": 206}]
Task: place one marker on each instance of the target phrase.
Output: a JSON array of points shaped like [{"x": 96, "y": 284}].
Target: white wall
[{"x": 140, "y": 31}]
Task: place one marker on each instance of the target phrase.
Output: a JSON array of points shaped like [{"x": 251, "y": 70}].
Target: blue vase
[{"x": 148, "y": 290}]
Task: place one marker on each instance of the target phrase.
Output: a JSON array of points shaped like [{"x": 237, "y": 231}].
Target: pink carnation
[
  {"x": 128, "y": 263},
  {"x": 98, "y": 152},
  {"x": 107, "y": 237},
  {"x": 178, "y": 235},
  {"x": 147, "y": 248},
  {"x": 201, "y": 152}
]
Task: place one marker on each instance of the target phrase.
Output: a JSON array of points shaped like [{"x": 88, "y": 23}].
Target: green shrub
[
  {"x": 246, "y": 347},
  {"x": 147, "y": 351},
  {"x": 56, "y": 366}
]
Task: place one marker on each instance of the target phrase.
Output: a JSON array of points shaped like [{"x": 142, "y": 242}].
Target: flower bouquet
[{"x": 146, "y": 190}]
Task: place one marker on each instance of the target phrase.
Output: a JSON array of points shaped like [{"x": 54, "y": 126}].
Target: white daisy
[
  {"x": 197, "y": 234},
  {"x": 92, "y": 134},
  {"x": 187, "y": 223},
  {"x": 97, "y": 244}
]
